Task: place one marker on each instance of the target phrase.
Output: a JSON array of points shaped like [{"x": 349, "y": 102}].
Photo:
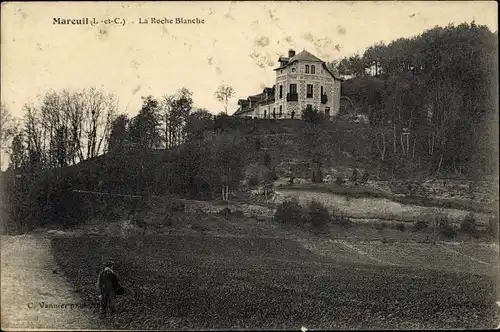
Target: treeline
[{"x": 431, "y": 99}]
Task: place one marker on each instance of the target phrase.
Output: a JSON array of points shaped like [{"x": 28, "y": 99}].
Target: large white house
[{"x": 302, "y": 80}]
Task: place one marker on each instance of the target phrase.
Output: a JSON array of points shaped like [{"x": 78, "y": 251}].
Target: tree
[
  {"x": 99, "y": 111},
  {"x": 82, "y": 117},
  {"x": 175, "y": 110},
  {"x": 8, "y": 129},
  {"x": 118, "y": 132},
  {"x": 61, "y": 146},
  {"x": 197, "y": 123},
  {"x": 226, "y": 159},
  {"x": 223, "y": 94},
  {"x": 144, "y": 127},
  {"x": 18, "y": 155},
  {"x": 311, "y": 115},
  {"x": 34, "y": 136}
]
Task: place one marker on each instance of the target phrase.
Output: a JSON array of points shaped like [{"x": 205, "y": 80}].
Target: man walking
[{"x": 107, "y": 286}]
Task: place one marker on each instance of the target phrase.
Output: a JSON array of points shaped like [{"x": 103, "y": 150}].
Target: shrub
[
  {"x": 167, "y": 220},
  {"x": 199, "y": 227},
  {"x": 339, "y": 219},
  {"x": 339, "y": 181},
  {"x": 178, "y": 206},
  {"x": 421, "y": 224},
  {"x": 354, "y": 176},
  {"x": 225, "y": 211},
  {"x": 492, "y": 229},
  {"x": 364, "y": 178},
  {"x": 318, "y": 215},
  {"x": 445, "y": 226},
  {"x": 238, "y": 214},
  {"x": 401, "y": 227},
  {"x": 289, "y": 212},
  {"x": 311, "y": 115},
  {"x": 468, "y": 225},
  {"x": 253, "y": 181}
]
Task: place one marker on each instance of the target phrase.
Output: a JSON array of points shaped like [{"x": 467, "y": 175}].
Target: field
[
  {"x": 215, "y": 282},
  {"x": 186, "y": 265}
]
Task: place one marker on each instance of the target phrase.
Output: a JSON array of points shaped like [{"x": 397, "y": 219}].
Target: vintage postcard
[{"x": 217, "y": 165}]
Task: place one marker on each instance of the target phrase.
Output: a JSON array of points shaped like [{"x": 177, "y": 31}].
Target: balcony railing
[
  {"x": 292, "y": 97},
  {"x": 324, "y": 99}
]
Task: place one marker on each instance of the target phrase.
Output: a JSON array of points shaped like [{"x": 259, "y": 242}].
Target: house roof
[
  {"x": 266, "y": 97},
  {"x": 328, "y": 67},
  {"x": 238, "y": 111},
  {"x": 256, "y": 97},
  {"x": 306, "y": 56}
]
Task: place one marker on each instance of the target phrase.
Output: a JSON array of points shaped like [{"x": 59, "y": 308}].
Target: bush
[
  {"x": 318, "y": 215},
  {"x": 225, "y": 212},
  {"x": 178, "y": 206},
  {"x": 492, "y": 229},
  {"x": 445, "y": 226},
  {"x": 468, "y": 225},
  {"x": 311, "y": 115},
  {"x": 339, "y": 219},
  {"x": 289, "y": 212},
  {"x": 198, "y": 226},
  {"x": 253, "y": 181},
  {"x": 421, "y": 224},
  {"x": 401, "y": 227},
  {"x": 364, "y": 178},
  {"x": 354, "y": 176},
  {"x": 238, "y": 214},
  {"x": 339, "y": 181}
]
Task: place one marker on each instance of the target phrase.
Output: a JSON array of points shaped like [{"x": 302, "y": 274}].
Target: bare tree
[
  {"x": 381, "y": 147},
  {"x": 175, "y": 110},
  {"x": 99, "y": 110},
  {"x": 8, "y": 129},
  {"x": 34, "y": 132},
  {"x": 223, "y": 94}
]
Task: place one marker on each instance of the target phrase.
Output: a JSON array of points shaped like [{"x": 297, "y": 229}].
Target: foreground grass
[{"x": 203, "y": 282}]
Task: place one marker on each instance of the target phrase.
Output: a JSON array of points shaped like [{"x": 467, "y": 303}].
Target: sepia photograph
[{"x": 249, "y": 165}]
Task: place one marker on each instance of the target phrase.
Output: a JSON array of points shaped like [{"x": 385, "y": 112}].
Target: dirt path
[{"x": 31, "y": 284}]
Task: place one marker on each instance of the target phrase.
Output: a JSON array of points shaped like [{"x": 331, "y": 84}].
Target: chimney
[{"x": 291, "y": 53}]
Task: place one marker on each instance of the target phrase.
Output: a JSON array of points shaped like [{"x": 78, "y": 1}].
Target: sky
[{"x": 238, "y": 44}]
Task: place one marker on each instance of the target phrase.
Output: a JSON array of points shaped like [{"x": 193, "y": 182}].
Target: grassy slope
[
  {"x": 368, "y": 192},
  {"x": 229, "y": 283}
]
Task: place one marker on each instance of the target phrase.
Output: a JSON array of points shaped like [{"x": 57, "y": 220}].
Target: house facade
[{"x": 302, "y": 80}]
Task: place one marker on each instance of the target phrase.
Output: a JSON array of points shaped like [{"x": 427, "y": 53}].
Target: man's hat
[{"x": 108, "y": 263}]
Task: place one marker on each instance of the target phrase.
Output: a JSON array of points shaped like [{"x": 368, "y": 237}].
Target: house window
[
  {"x": 327, "y": 112},
  {"x": 293, "y": 70},
  {"x": 309, "y": 91},
  {"x": 313, "y": 69},
  {"x": 307, "y": 69},
  {"x": 274, "y": 113},
  {"x": 265, "y": 114},
  {"x": 281, "y": 91},
  {"x": 281, "y": 111},
  {"x": 322, "y": 91},
  {"x": 293, "y": 88}
]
